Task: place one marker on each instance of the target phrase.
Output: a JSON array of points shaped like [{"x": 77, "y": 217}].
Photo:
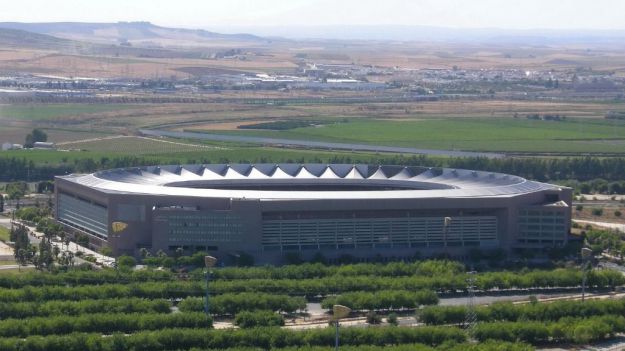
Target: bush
[
  {"x": 579, "y": 208},
  {"x": 597, "y": 212},
  {"x": 126, "y": 261},
  {"x": 392, "y": 319},
  {"x": 617, "y": 213},
  {"x": 373, "y": 318},
  {"x": 251, "y": 319}
]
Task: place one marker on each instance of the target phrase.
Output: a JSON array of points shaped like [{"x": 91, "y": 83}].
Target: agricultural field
[
  {"x": 573, "y": 135},
  {"x": 179, "y": 154},
  {"x": 43, "y": 112}
]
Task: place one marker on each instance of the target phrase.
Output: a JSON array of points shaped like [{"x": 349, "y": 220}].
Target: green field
[
  {"x": 479, "y": 134},
  {"x": 38, "y": 112},
  {"x": 215, "y": 155},
  {"x": 4, "y": 234}
]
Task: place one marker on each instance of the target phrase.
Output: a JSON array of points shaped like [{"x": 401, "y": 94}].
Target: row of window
[
  {"x": 82, "y": 214},
  {"x": 378, "y": 233}
]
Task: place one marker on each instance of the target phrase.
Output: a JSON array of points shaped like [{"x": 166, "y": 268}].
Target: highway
[{"x": 315, "y": 144}]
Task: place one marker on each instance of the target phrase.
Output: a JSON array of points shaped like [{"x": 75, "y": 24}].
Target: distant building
[
  {"x": 43, "y": 145},
  {"x": 10, "y": 146}
]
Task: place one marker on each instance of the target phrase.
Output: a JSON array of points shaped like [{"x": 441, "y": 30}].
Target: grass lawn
[
  {"x": 4, "y": 234},
  {"x": 48, "y": 111},
  {"x": 479, "y": 134}
]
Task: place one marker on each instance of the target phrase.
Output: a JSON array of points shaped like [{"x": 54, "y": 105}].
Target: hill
[
  {"x": 15, "y": 38},
  {"x": 134, "y": 33}
]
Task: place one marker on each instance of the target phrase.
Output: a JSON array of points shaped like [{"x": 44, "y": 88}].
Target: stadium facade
[{"x": 270, "y": 210}]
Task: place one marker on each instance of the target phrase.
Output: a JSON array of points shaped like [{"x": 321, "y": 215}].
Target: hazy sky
[{"x": 515, "y": 14}]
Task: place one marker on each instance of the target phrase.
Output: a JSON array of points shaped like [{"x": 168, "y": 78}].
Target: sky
[{"x": 224, "y": 14}]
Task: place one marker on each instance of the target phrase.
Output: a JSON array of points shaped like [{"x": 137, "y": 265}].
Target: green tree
[
  {"x": 35, "y": 136},
  {"x": 126, "y": 261}
]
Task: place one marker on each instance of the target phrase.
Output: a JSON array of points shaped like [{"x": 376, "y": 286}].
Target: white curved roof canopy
[{"x": 366, "y": 181}]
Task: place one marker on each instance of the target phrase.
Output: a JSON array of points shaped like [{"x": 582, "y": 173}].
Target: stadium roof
[{"x": 404, "y": 182}]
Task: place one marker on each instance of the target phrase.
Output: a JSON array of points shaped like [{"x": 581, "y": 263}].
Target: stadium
[{"x": 270, "y": 211}]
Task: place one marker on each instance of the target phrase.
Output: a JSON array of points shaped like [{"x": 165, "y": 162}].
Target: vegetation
[
  {"x": 265, "y": 338},
  {"x": 504, "y": 311},
  {"x": 21, "y": 310},
  {"x": 566, "y": 330},
  {"x": 568, "y": 135},
  {"x": 282, "y": 125},
  {"x": 43, "y": 164},
  {"x": 235, "y": 303},
  {"x": 105, "y": 323},
  {"x": 253, "y": 319},
  {"x": 37, "y": 135}
]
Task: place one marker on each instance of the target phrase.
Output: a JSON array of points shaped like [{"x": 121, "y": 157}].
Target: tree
[
  {"x": 392, "y": 319},
  {"x": 126, "y": 261},
  {"x": 373, "y": 318},
  {"x": 35, "y": 136},
  {"x": 16, "y": 190},
  {"x": 1, "y": 203}
]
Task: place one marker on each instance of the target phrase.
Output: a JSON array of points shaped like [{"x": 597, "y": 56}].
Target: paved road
[{"x": 315, "y": 144}]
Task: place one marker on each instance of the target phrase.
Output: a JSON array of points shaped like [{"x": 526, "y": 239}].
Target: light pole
[
  {"x": 586, "y": 255},
  {"x": 338, "y": 312},
  {"x": 209, "y": 262},
  {"x": 446, "y": 224}
]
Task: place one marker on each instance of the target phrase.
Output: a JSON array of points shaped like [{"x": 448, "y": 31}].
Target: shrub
[
  {"x": 617, "y": 213},
  {"x": 126, "y": 261},
  {"x": 392, "y": 319},
  {"x": 597, "y": 211},
  {"x": 373, "y": 318}
]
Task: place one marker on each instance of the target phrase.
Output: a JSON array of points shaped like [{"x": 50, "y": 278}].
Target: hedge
[
  {"x": 102, "y": 323},
  {"x": 506, "y": 311},
  {"x": 253, "y": 319},
  {"x": 21, "y": 310},
  {"x": 234, "y": 303},
  {"x": 266, "y": 338}
]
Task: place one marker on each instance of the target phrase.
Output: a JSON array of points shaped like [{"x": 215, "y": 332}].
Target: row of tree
[
  {"x": 542, "y": 169},
  {"x": 505, "y": 311},
  {"x": 105, "y": 323},
  {"x": 234, "y": 303},
  {"x": 257, "y": 338},
  {"x": 253, "y": 319},
  {"x": 559, "y": 278},
  {"x": 388, "y": 299},
  {"x": 566, "y": 330},
  {"x": 20, "y": 310},
  {"x": 427, "y": 268},
  {"x": 82, "y": 276}
]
